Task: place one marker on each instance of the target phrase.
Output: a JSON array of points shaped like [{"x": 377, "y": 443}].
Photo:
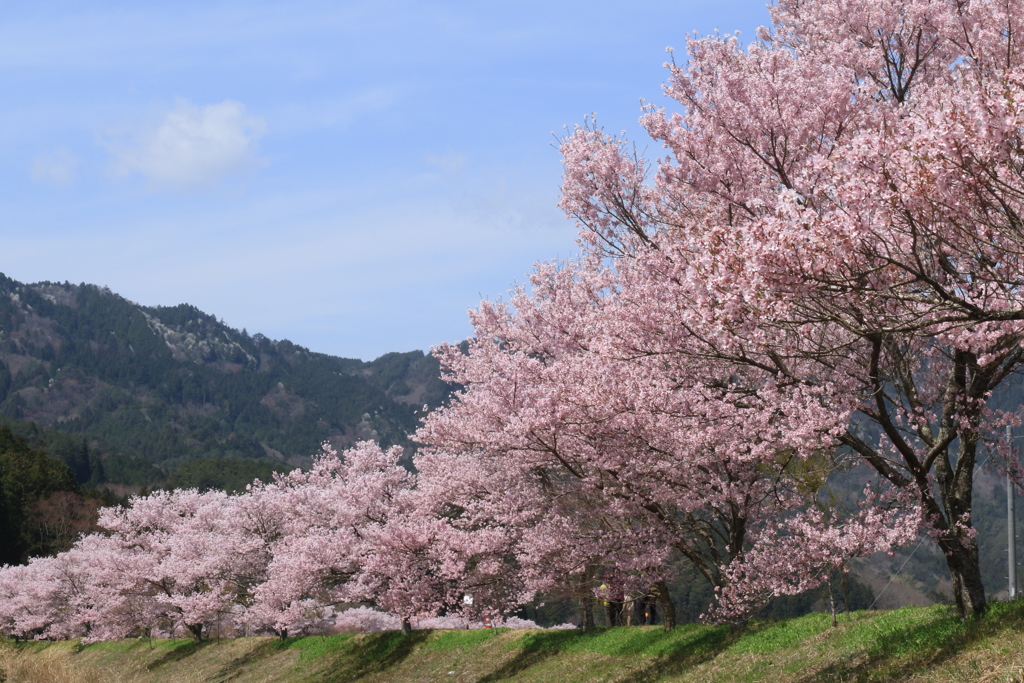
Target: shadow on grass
[
  {"x": 670, "y": 652},
  {"x": 370, "y": 654},
  {"x": 178, "y": 653},
  {"x": 234, "y": 667},
  {"x": 685, "y": 653},
  {"x": 897, "y": 652},
  {"x": 534, "y": 648}
]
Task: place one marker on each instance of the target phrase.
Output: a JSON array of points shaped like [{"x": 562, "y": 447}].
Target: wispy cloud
[
  {"x": 192, "y": 145},
  {"x": 59, "y": 167}
]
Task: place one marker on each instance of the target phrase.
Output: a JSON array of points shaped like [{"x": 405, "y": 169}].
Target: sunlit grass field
[{"x": 911, "y": 644}]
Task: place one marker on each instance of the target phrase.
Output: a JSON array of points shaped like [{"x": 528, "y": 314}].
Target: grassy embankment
[{"x": 920, "y": 644}]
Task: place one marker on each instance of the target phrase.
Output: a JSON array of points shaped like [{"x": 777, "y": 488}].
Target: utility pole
[{"x": 1011, "y": 524}]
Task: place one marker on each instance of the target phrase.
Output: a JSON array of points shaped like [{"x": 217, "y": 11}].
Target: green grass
[
  {"x": 315, "y": 647},
  {"x": 871, "y": 647},
  {"x": 776, "y": 636},
  {"x": 688, "y": 640},
  {"x": 447, "y": 641},
  {"x": 349, "y": 657}
]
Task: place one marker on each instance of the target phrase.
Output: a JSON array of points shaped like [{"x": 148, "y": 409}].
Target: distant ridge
[{"x": 143, "y": 390}]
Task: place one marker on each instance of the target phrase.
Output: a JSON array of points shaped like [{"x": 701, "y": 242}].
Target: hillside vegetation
[
  {"x": 127, "y": 394},
  {"x": 925, "y": 644}
]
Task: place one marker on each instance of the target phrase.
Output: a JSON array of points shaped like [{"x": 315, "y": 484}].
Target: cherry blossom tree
[
  {"x": 839, "y": 208},
  {"x": 603, "y": 448},
  {"x": 353, "y": 529},
  {"x": 342, "y": 538},
  {"x": 83, "y": 592},
  {"x": 169, "y": 562},
  {"x": 283, "y": 556},
  {"x": 191, "y": 555}
]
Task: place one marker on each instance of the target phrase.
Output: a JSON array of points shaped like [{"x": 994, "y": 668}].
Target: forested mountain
[{"x": 129, "y": 394}]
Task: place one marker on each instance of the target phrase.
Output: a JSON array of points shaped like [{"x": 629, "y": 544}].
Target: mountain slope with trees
[{"x": 127, "y": 394}]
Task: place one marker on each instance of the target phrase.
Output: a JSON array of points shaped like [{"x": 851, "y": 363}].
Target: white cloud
[
  {"x": 59, "y": 167},
  {"x": 193, "y": 146}
]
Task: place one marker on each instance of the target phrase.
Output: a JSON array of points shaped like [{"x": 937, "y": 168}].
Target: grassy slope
[{"x": 921, "y": 644}]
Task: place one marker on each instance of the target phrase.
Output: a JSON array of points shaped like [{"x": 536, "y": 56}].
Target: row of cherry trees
[
  {"x": 824, "y": 269},
  {"x": 285, "y": 557},
  {"x": 278, "y": 558}
]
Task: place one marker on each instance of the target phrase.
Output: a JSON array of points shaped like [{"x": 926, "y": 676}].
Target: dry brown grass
[{"x": 51, "y": 665}]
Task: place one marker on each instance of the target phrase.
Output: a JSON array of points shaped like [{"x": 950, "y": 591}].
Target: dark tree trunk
[
  {"x": 966, "y": 575},
  {"x": 949, "y": 512},
  {"x": 613, "y": 610},
  {"x": 587, "y": 612},
  {"x": 956, "y": 484},
  {"x": 956, "y": 542},
  {"x": 406, "y": 626},
  {"x": 197, "y": 632},
  {"x": 668, "y": 608},
  {"x": 586, "y": 594}
]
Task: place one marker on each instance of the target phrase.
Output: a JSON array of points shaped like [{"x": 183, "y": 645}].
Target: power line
[
  {"x": 895, "y": 575},
  {"x": 919, "y": 543}
]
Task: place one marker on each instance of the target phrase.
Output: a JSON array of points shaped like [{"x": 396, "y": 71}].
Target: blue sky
[{"x": 352, "y": 176}]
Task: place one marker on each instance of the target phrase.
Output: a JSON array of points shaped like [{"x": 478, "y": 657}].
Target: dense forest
[
  {"x": 42, "y": 507},
  {"x": 128, "y": 394}
]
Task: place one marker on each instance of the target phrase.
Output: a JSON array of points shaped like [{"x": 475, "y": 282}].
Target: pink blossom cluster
[
  {"x": 800, "y": 552},
  {"x": 282, "y": 557}
]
